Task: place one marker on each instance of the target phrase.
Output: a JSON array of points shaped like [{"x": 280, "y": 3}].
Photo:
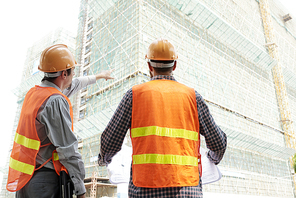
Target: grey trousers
[{"x": 43, "y": 184}]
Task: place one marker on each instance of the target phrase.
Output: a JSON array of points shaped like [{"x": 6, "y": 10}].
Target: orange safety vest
[
  {"x": 165, "y": 135},
  {"x": 26, "y": 141}
]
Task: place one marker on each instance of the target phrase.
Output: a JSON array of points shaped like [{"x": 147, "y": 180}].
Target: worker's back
[{"x": 164, "y": 131}]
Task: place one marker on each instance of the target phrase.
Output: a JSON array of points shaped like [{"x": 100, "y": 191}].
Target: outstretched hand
[{"x": 105, "y": 74}]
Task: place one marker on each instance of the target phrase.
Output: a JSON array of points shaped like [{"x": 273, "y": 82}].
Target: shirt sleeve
[
  {"x": 79, "y": 83},
  {"x": 57, "y": 121},
  {"x": 216, "y": 139},
  {"x": 113, "y": 135}
]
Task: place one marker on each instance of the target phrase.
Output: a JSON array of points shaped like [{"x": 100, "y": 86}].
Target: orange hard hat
[
  {"x": 161, "y": 49},
  {"x": 56, "y": 58}
]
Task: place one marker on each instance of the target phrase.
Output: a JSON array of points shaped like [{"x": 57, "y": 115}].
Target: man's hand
[
  {"x": 105, "y": 74},
  {"x": 81, "y": 196}
]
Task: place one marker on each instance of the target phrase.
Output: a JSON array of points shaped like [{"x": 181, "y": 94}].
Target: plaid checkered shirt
[{"x": 113, "y": 136}]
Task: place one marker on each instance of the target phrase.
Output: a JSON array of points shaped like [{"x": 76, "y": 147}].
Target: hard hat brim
[{"x": 51, "y": 71}]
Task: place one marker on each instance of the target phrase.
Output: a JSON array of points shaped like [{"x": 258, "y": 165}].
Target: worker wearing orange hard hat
[
  {"x": 166, "y": 119},
  {"x": 44, "y": 144}
]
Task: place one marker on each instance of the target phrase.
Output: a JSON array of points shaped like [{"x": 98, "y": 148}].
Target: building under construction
[{"x": 239, "y": 55}]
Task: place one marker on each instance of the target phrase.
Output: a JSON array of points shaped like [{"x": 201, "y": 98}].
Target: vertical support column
[
  {"x": 279, "y": 82},
  {"x": 93, "y": 190},
  {"x": 81, "y": 45}
]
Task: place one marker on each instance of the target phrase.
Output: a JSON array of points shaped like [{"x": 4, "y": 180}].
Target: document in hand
[
  {"x": 210, "y": 172},
  {"x": 119, "y": 168}
]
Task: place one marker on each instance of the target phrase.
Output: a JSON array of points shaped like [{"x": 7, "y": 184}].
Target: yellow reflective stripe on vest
[
  {"x": 162, "y": 131},
  {"x": 21, "y": 166},
  {"x": 55, "y": 157},
  {"x": 27, "y": 142},
  {"x": 165, "y": 159}
]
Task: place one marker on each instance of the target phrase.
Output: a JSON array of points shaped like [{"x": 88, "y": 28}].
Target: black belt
[{"x": 44, "y": 169}]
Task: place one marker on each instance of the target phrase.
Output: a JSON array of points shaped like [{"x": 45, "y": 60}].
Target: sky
[{"x": 22, "y": 24}]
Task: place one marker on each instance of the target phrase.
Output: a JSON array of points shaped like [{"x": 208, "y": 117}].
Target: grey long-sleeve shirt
[{"x": 53, "y": 125}]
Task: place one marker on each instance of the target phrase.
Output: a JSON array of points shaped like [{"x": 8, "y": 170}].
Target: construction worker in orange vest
[
  {"x": 166, "y": 119},
  {"x": 44, "y": 142}
]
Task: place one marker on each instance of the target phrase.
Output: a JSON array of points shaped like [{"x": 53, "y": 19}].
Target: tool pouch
[{"x": 66, "y": 185}]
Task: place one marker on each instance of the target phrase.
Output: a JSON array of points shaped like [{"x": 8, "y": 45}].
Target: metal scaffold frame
[
  {"x": 279, "y": 82},
  {"x": 222, "y": 53}
]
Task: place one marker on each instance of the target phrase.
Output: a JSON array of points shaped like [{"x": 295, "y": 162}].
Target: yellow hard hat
[
  {"x": 56, "y": 58},
  {"x": 161, "y": 49}
]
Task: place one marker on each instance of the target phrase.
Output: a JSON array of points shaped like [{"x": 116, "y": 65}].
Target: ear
[
  {"x": 150, "y": 67},
  {"x": 175, "y": 65},
  {"x": 64, "y": 74}
]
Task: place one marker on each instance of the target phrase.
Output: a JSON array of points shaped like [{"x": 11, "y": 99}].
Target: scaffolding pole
[{"x": 279, "y": 82}]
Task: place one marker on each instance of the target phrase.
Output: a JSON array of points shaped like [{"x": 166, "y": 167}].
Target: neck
[
  {"x": 59, "y": 83},
  {"x": 164, "y": 74}
]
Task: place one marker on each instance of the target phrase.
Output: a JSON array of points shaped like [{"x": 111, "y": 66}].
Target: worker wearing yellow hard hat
[
  {"x": 45, "y": 147},
  {"x": 166, "y": 119}
]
